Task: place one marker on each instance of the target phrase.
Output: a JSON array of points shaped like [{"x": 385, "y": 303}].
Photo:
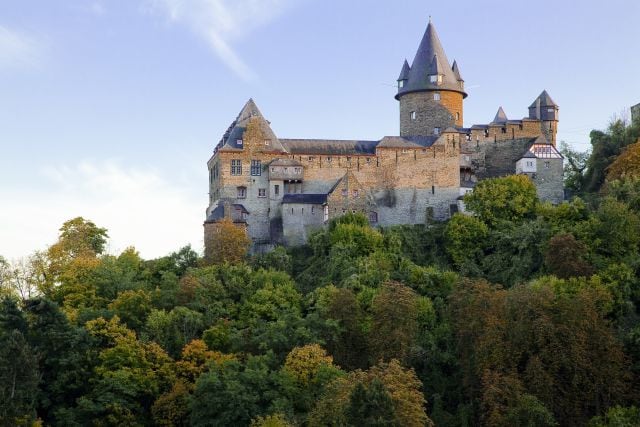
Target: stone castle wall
[{"x": 446, "y": 112}]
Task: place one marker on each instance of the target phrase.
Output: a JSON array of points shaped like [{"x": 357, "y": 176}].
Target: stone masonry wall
[
  {"x": 446, "y": 112},
  {"x": 549, "y": 180}
]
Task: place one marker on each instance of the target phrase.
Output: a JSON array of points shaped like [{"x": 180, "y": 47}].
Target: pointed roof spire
[
  {"x": 430, "y": 57},
  {"x": 404, "y": 74},
  {"x": 456, "y": 71},
  {"x": 500, "y": 117},
  {"x": 545, "y": 101},
  {"x": 236, "y": 130}
]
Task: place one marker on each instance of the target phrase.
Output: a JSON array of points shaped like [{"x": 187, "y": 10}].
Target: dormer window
[
  {"x": 400, "y": 84},
  {"x": 435, "y": 78},
  {"x": 436, "y": 131},
  {"x": 239, "y": 142}
]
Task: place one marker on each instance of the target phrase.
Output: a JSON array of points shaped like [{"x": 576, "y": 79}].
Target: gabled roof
[
  {"x": 236, "y": 130},
  {"x": 329, "y": 147},
  {"x": 310, "y": 199},
  {"x": 500, "y": 117},
  {"x": 430, "y": 59},
  {"x": 542, "y": 149},
  {"x": 545, "y": 100},
  {"x": 218, "y": 213}
]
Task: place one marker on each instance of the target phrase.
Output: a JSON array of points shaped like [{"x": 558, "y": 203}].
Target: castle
[{"x": 283, "y": 189}]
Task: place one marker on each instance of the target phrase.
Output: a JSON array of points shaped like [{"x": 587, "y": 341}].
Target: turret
[
  {"x": 430, "y": 91},
  {"x": 545, "y": 110}
]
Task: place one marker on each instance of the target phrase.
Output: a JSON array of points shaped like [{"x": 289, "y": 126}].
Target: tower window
[
  {"x": 436, "y": 96},
  {"x": 435, "y": 78},
  {"x": 413, "y": 115},
  {"x": 400, "y": 84},
  {"x": 267, "y": 142},
  {"x": 236, "y": 167},
  {"x": 457, "y": 116}
]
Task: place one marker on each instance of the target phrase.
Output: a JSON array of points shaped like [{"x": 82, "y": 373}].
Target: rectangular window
[
  {"x": 413, "y": 115},
  {"x": 256, "y": 167},
  {"x": 329, "y": 159},
  {"x": 400, "y": 84},
  {"x": 242, "y": 192},
  {"x": 547, "y": 165},
  {"x": 310, "y": 158},
  {"x": 236, "y": 167},
  {"x": 267, "y": 142},
  {"x": 355, "y": 193},
  {"x": 348, "y": 159},
  {"x": 436, "y": 131},
  {"x": 262, "y": 192},
  {"x": 345, "y": 192},
  {"x": 368, "y": 159},
  {"x": 436, "y": 96},
  {"x": 276, "y": 189},
  {"x": 239, "y": 142}
]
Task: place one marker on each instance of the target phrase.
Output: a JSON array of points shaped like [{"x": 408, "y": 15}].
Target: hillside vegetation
[{"x": 524, "y": 314}]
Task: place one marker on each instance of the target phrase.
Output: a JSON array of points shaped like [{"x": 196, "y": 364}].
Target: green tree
[
  {"x": 510, "y": 198},
  {"x": 370, "y": 406},
  {"x": 465, "y": 240},
  {"x": 19, "y": 374}
]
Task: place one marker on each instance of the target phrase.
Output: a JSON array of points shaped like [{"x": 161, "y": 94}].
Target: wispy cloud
[
  {"x": 17, "y": 49},
  {"x": 139, "y": 207},
  {"x": 221, "y": 22}
]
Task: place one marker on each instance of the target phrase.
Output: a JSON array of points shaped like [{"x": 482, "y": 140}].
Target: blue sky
[{"x": 109, "y": 109}]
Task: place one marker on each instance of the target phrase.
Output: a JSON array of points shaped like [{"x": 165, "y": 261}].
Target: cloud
[
  {"x": 17, "y": 49},
  {"x": 221, "y": 22},
  {"x": 139, "y": 207}
]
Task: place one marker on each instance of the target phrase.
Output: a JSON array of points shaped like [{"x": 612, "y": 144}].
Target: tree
[
  {"x": 606, "y": 147},
  {"x": 626, "y": 165},
  {"x": 370, "y": 406},
  {"x": 565, "y": 257},
  {"x": 228, "y": 242},
  {"x": 510, "y": 198},
  {"x": 395, "y": 321},
  {"x": 465, "y": 239},
  {"x": 132, "y": 307},
  {"x": 559, "y": 347},
  {"x": 234, "y": 393},
  {"x": 401, "y": 384},
  {"x": 574, "y": 167},
  {"x": 618, "y": 416},
  {"x": 19, "y": 374}
]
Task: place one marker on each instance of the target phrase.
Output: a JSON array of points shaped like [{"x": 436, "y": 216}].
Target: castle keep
[{"x": 282, "y": 189}]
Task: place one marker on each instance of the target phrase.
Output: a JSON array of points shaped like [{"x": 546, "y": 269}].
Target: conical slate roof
[
  {"x": 545, "y": 100},
  {"x": 431, "y": 59},
  {"x": 404, "y": 73},
  {"x": 500, "y": 117},
  {"x": 456, "y": 71},
  {"x": 236, "y": 130}
]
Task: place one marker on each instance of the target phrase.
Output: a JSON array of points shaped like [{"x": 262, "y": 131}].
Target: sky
[{"x": 110, "y": 109}]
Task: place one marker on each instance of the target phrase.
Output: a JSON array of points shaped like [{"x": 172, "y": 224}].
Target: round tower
[{"x": 430, "y": 91}]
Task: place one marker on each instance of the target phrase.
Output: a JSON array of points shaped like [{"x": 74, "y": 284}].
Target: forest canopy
[{"x": 522, "y": 314}]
